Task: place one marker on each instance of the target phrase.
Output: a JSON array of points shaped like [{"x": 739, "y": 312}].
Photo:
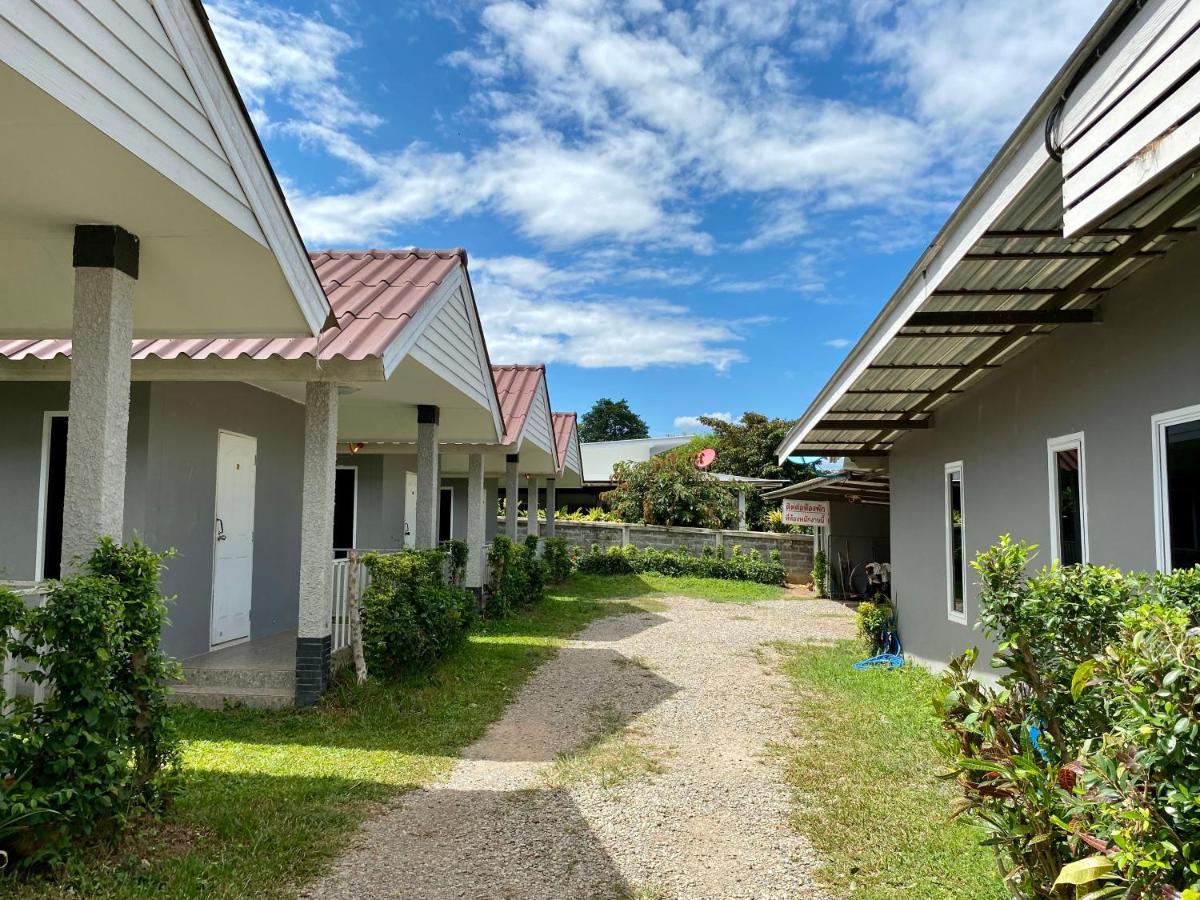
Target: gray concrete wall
[
  {"x": 181, "y": 492},
  {"x": 796, "y": 550},
  {"x": 170, "y": 491},
  {"x": 23, "y": 406},
  {"x": 1105, "y": 380}
]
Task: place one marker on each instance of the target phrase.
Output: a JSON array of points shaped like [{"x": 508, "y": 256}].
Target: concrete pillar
[
  {"x": 511, "y": 494},
  {"x": 477, "y": 510},
  {"x": 106, "y": 271},
  {"x": 549, "y": 507},
  {"x": 533, "y": 490},
  {"x": 313, "y": 638},
  {"x": 741, "y": 510},
  {"x": 428, "y": 479}
]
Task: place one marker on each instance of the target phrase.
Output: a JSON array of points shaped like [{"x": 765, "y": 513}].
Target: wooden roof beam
[
  {"x": 869, "y": 424},
  {"x": 965, "y": 317},
  {"x": 1043, "y": 233},
  {"x": 1026, "y": 255},
  {"x": 826, "y": 450},
  {"x": 1013, "y": 291}
]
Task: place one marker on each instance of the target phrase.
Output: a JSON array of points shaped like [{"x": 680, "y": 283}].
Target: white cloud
[
  {"x": 277, "y": 54},
  {"x": 968, "y": 68},
  {"x": 532, "y": 312},
  {"x": 838, "y": 343},
  {"x": 622, "y": 121},
  {"x": 694, "y": 421}
]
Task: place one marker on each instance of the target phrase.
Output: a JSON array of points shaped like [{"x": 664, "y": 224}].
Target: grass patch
[
  {"x": 614, "y": 755},
  {"x": 648, "y": 584},
  {"x": 866, "y": 792},
  {"x": 269, "y": 797}
]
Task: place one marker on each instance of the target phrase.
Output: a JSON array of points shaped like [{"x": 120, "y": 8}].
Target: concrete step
[
  {"x": 213, "y": 697},
  {"x": 239, "y": 678}
]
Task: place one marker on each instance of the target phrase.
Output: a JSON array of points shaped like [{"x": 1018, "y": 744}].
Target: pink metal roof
[
  {"x": 374, "y": 295},
  {"x": 516, "y": 386},
  {"x": 564, "y": 424}
]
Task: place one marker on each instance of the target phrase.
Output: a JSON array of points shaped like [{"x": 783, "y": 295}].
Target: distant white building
[{"x": 599, "y": 457}]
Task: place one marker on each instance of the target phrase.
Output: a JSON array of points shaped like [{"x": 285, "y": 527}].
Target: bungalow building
[
  {"x": 137, "y": 201},
  {"x": 1034, "y": 374},
  {"x": 231, "y": 449}
]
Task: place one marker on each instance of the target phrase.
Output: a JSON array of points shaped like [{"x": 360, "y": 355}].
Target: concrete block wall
[{"x": 796, "y": 550}]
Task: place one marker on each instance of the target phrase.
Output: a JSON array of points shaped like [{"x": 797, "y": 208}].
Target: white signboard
[{"x": 806, "y": 512}]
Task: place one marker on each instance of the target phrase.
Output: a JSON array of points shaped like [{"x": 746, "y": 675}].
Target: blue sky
[{"x": 695, "y": 206}]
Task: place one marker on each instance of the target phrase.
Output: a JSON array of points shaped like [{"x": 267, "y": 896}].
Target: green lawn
[
  {"x": 648, "y": 584},
  {"x": 866, "y": 795},
  {"x": 268, "y": 798}
]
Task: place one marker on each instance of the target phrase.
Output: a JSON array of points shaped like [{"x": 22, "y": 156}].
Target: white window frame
[
  {"x": 948, "y": 470},
  {"x": 354, "y": 528},
  {"x": 39, "y": 561},
  {"x": 1162, "y": 519},
  {"x": 1054, "y": 446}
]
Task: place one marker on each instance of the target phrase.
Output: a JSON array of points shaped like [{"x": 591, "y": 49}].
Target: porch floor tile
[{"x": 276, "y": 652}]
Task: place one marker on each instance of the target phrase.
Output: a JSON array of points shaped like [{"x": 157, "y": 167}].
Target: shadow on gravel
[
  {"x": 596, "y": 690},
  {"x": 444, "y": 843}
]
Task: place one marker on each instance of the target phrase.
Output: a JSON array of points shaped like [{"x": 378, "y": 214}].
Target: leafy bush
[
  {"x": 411, "y": 615},
  {"x": 1139, "y": 787},
  {"x": 102, "y": 744},
  {"x": 820, "y": 573},
  {"x": 670, "y": 490},
  {"x": 629, "y": 560},
  {"x": 518, "y": 577},
  {"x": 1090, "y": 741},
  {"x": 557, "y": 558},
  {"x": 872, "y": 620}
]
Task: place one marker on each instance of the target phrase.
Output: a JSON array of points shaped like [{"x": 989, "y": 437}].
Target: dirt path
[{"x": 633, "y": 765}]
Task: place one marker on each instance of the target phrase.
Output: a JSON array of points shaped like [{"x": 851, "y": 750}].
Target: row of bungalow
[
  {"x": 175, "y": 365},
  {"x": 1035, "y": 373}
]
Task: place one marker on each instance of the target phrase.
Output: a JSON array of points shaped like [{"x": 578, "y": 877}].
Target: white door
[
  {"x": 233, "y": 537},
  {"x": 410, "y": 509}
]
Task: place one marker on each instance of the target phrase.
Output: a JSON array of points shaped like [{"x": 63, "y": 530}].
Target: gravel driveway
[{"x": 632, "y": 765}]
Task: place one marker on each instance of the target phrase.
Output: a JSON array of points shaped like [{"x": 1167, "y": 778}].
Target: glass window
[
  {"x": 1068, "y": 506},
  {"x": 955, "y": 559},
  {"x": 1183, "y": 494}
]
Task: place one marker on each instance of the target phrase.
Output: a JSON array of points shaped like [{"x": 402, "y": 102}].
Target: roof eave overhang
[
  {"x": 188, "y": 27},
  {"x": 1022, "y": 158}
]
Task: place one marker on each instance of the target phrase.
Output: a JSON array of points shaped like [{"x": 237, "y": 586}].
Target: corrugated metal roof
[
  {"x": 848, "y": 485},
  {"x": 374, "y": 295},
  {"x": 564, "y": 427},
  {"x": 1022, "y": 263},
  {"x": 516, "y": 386}
]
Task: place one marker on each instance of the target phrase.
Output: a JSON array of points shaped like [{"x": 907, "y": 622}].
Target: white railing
[
  {"x": 15, "y": 679},
  {"x": 341, "y": 599}
]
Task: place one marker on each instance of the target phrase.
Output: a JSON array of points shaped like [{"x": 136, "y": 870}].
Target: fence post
[{"x": 356, "y": 644}]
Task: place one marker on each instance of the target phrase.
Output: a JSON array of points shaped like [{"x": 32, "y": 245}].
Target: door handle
[{"x": 220, "y": 530}]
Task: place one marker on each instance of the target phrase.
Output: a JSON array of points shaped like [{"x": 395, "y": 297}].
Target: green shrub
[
  {"x": 669, "y": 490},
  {"x": 518, "y": 577},
  {"x": 102, "y": 744},
  {"x": 629, "y": 561},
  {"x": 872, "y": 621},
  {"x": 411, "y": 615},
  {"x": 1089, "y": 743},
  {"x": 820, "y": 574},
  {"x": 557, "y": 558},
  {"x": 1139, "y": 787}
]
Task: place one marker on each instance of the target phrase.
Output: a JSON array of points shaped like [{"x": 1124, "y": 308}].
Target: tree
[
  {"x": 670, "y": 490},
  {"x": 611, "y": 420},
  {"x": 746, "y": 447}
]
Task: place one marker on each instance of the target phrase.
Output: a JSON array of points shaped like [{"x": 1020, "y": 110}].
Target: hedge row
[{"x": 629, "y": 560}]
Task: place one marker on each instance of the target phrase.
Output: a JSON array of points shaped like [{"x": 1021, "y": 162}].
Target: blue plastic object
[{"x": 890, "y": 658}]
